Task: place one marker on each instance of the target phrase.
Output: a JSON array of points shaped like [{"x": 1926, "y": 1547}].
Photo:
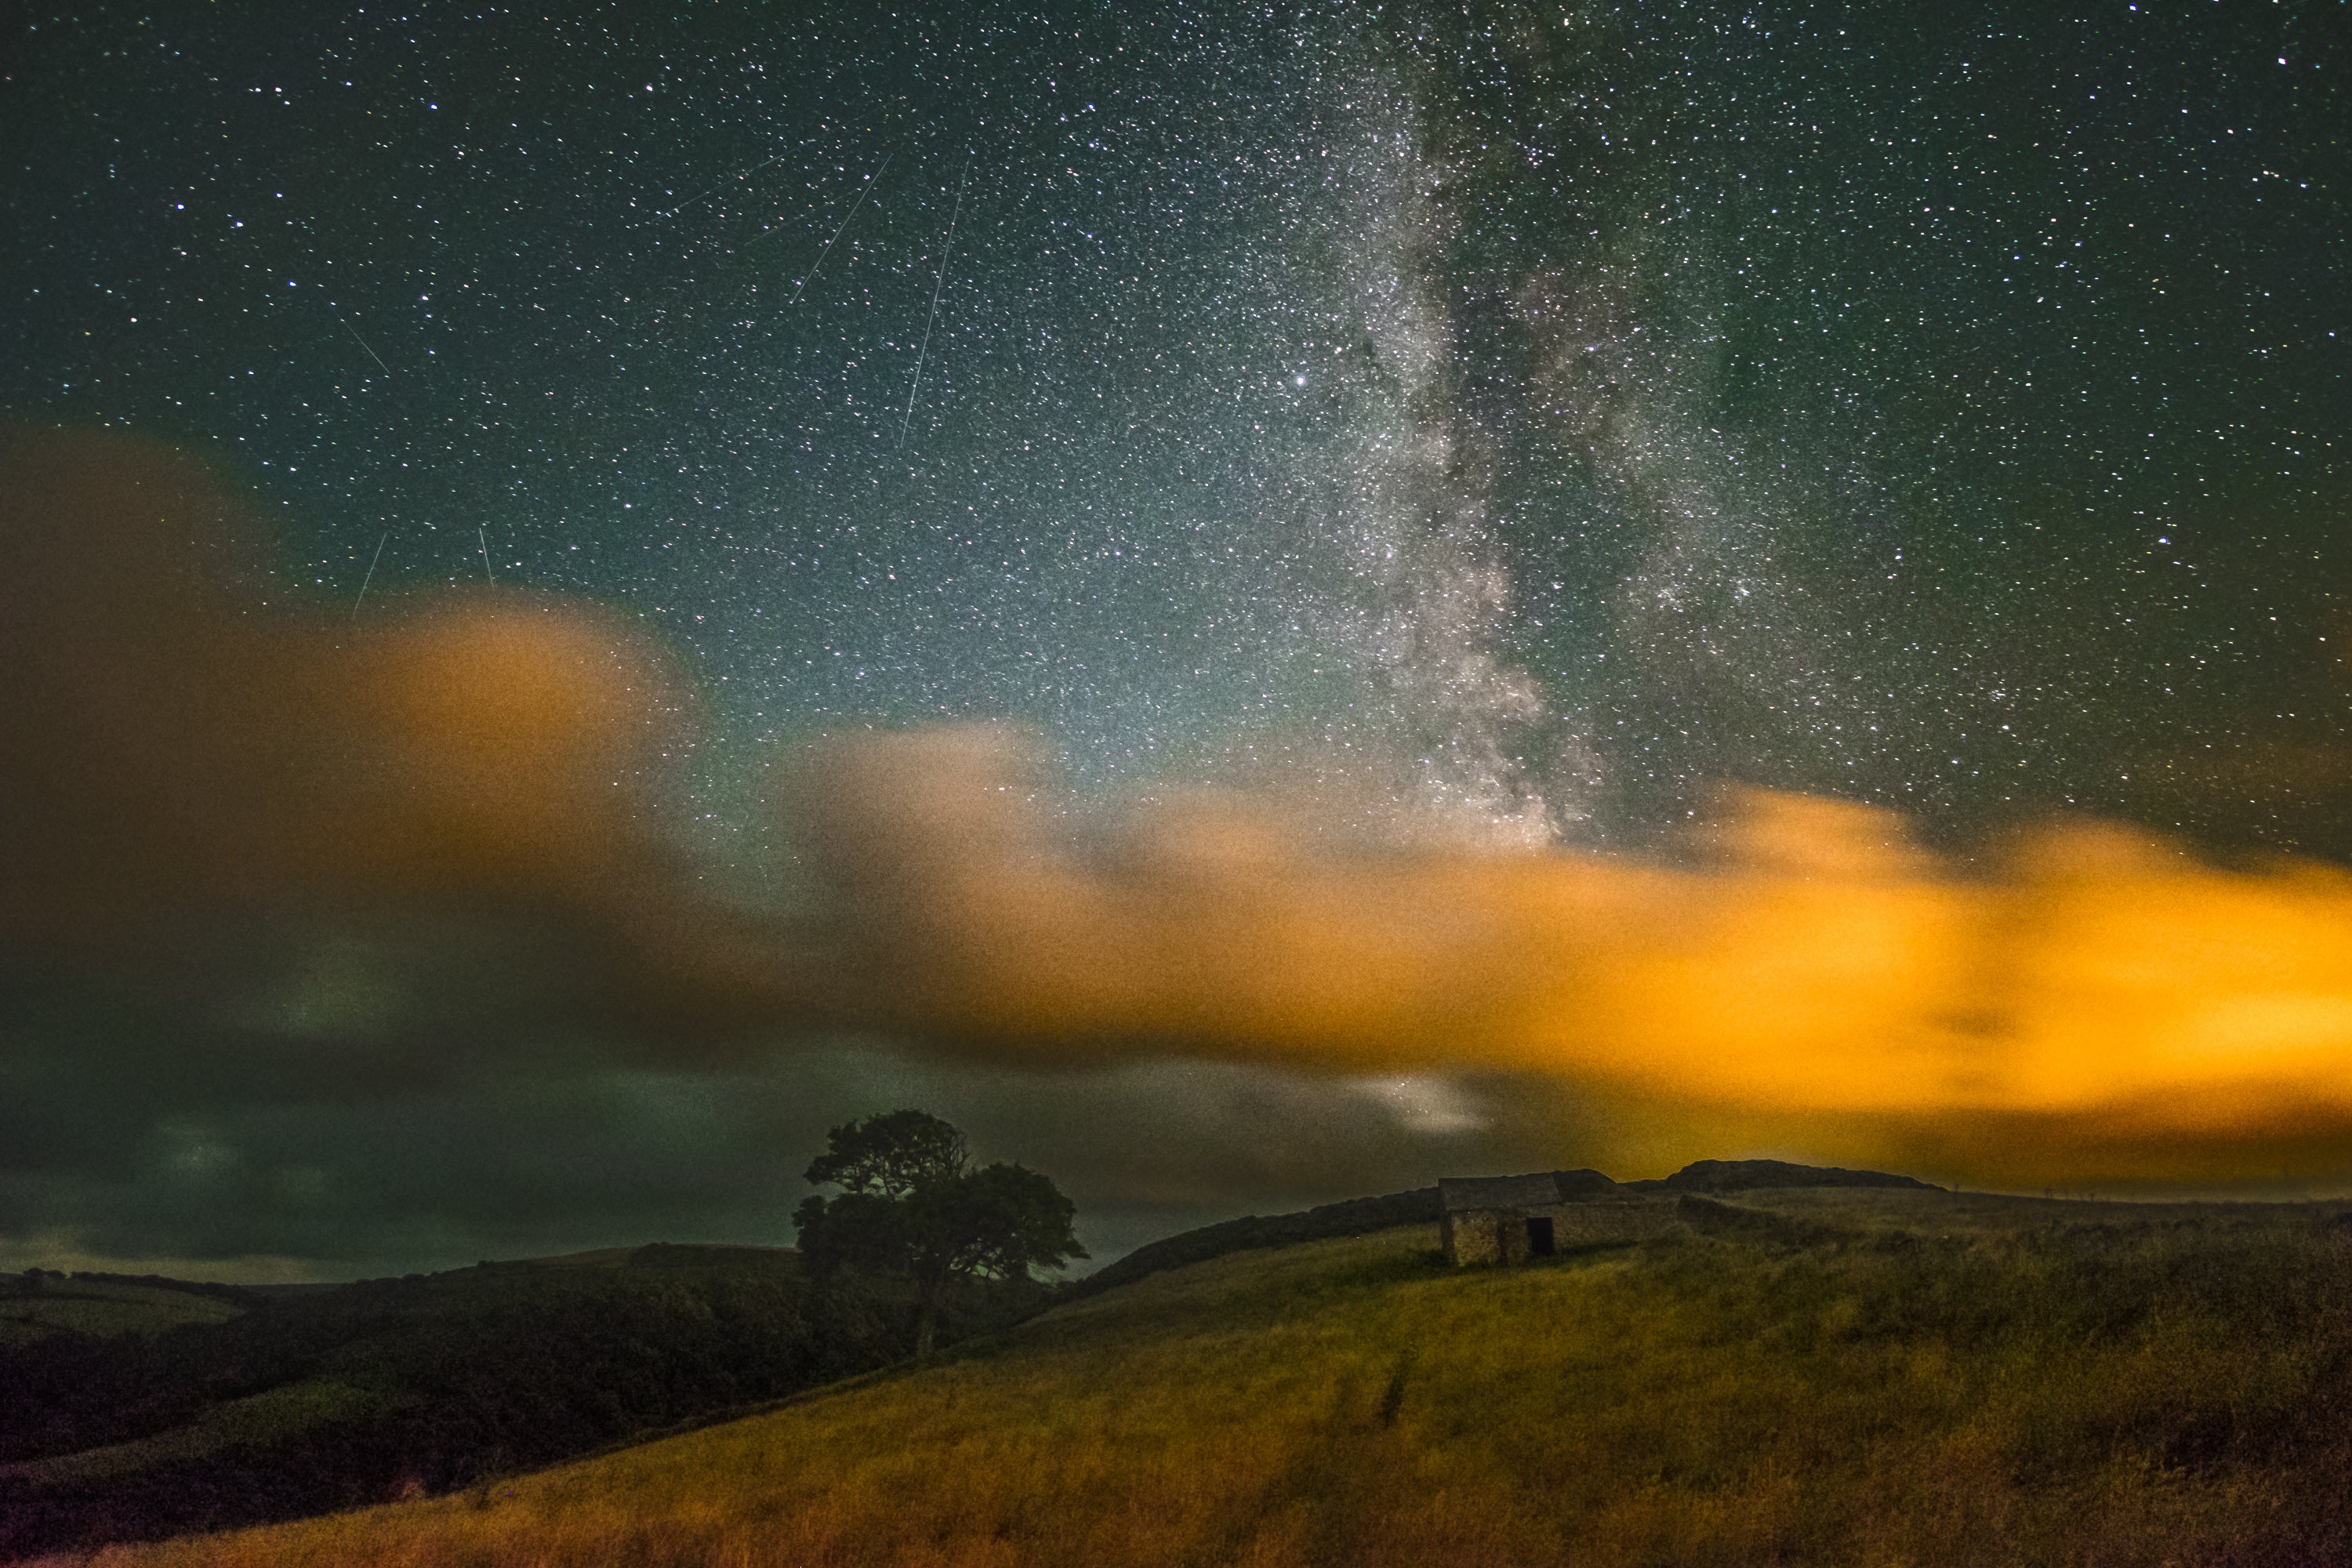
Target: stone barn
[{"x": 1509, "y": 1219}]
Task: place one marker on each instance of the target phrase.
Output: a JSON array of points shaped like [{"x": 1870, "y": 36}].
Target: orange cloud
[{"x": 1817, "y": 966}]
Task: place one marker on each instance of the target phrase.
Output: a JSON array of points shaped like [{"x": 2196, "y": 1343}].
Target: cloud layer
[{"x": 1805, "y": 964}]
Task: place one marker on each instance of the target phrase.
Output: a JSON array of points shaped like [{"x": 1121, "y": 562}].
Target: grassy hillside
[
  {"x": 303, "y": 1403},
  {"x": 1830, "y": 1377},
  {"x": 38, "y": 1304}
]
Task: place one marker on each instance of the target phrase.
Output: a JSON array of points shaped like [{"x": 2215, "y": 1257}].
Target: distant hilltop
[{"x": 1748, "y": 1175}]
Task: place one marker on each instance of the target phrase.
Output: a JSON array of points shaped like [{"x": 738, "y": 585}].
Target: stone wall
[
  {"x": 1473, "y": 1237},
  {"x": 1500, "y": 1236}
]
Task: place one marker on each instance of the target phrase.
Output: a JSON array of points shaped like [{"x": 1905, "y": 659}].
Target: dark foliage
[
  {"x": 889, "y": 1155},
  {"x": 915, "y": 1208}
]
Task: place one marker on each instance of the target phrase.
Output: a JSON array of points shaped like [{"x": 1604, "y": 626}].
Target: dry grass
[{"x": 2168, "y": 1393}]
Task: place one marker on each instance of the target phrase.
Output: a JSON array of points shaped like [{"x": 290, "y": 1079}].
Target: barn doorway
[{"x": 1539, "y": 1243}]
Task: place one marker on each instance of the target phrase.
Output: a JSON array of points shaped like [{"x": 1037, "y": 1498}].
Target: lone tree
[{"x": 912, "y": 1204}]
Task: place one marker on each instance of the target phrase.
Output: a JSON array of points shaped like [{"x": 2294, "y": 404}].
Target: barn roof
[{"x": 1544, "y": 1188}]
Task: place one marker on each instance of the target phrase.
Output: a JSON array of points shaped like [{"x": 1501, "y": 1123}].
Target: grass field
[{"x": 1806, "y": 1378}]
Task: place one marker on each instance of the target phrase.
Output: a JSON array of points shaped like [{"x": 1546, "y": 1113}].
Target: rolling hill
[
  {"x": 1795, "y": 1375},
  {"x": 41, "y": 1304},
  {"x": 134, "y": 1409}
]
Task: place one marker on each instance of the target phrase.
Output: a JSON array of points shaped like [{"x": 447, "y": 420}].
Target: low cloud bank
[{"x": 2081, "y": 988}]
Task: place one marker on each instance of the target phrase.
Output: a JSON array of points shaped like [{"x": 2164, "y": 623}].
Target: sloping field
[
  {"x": 315, "y": 1401},
  {"x": 1885, "y": 1379},
  {"x": 96, "y": 1304}
]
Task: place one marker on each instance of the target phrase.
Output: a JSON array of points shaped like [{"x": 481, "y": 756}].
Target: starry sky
[{"x": 1498, "y": 426}]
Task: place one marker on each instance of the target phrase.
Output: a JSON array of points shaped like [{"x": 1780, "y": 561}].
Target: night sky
[{"x": 1498, "y": 426}]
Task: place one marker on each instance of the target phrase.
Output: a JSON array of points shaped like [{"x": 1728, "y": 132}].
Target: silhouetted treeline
[{"x": 444, "y": 1380}]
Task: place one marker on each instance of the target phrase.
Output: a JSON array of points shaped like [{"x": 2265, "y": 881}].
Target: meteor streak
[
  {"x": 871, "y": 181},
  {"x": 357, "y": 339},
  {"x": 937, "y": 284},
  {"x": 369, "y": 577},
  {"x": 745, "y": 175}
]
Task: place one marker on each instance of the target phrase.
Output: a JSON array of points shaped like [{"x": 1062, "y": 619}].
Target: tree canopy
[
  {"x": 889, "y": 1155},
  {"x": 912, "y": 1204}
]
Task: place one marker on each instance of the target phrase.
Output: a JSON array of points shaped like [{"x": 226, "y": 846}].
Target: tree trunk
[
  {"x": 926, "y": 1329},
  {"x": 932, "y": 1291}
]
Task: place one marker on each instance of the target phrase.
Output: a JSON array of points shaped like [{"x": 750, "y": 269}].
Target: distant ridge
[
  {"x": 1357, "y": 1216},
  {"x": 1744, "y": 1175},
  {"x": 1353, "y": 1216}
]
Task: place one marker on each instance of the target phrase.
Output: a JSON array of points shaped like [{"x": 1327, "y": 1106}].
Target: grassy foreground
[{"x": 1877, "y": 1378}]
